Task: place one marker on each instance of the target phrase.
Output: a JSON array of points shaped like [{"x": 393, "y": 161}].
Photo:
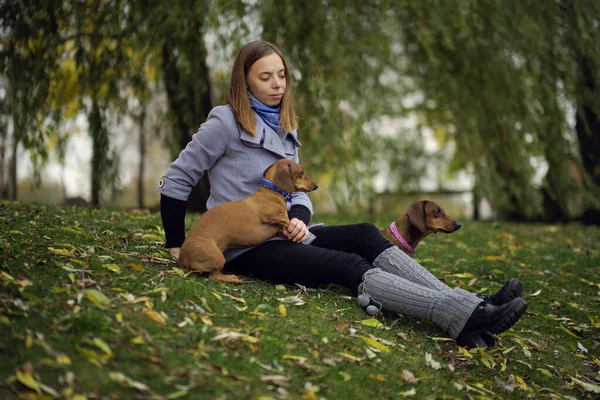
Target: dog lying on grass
[{"x": 422, "y": 218}]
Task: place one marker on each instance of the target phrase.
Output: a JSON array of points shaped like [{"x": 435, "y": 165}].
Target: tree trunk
[
  {"x": 587, "y": 126},
  {"x": 189, "y": 100},
  {"x": 3, "y": 166},
  {"x": 99, "y": 151},
  {"x": 587, "y": 123},
  {"x": 12, "y": 168},
  {"x": 142, "y": 150}
]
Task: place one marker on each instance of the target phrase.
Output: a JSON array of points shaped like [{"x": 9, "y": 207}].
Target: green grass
[{"x": 157, "y": 333}]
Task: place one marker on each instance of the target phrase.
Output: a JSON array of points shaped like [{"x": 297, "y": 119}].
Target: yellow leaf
[
  {"x": 137, "y": 267},
  {"x": 521, "y": 383},
  {"x": 112, "y": 267},
  {"x": 463, "y": 275},
  {"x": 137, "y": 340},
  {"x": 4, "y": 275},
  {"x": 119, "y": 318},
  {"x": 494, "y": 258},
  {"x": 568, "y": 331},
  {"x": 153, "y": 237},
  {"x": 101, "y": 344},
  {"x": 96, "y": 297},
  {"x": 28, "y": 380},
  {"x": 380, "y": 378},
  {"x": 62, "y": 252},
  {"x": 63, "y": 359},
  {"x": 282, "y": 310},
  {"x": 594, "y": 320},
  {"x": 206, "y": 320},
  {"x": 376, "y": 344},
  {"x": 506, "y": 236},
  {"x": 217, "y": 295},
  {"x": 350, "y": 357},
  {"x": 371, "y": 322},
  {"x": 153, "y": 315},
  {"x": 465, "y": 352},
  {"x": 238, "y": 299}
]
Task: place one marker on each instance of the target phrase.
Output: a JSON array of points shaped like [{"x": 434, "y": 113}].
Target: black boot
[
  {"x": 513, "y": 288},
  {"x": 495, "y": 319},
  {"x": 481, "y": 339}
]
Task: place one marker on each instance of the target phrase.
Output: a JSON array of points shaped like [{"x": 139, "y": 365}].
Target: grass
[{"x": 91, "y": 307}]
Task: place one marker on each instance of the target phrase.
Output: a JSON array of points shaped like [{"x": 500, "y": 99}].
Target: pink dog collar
[{"x": 399, "y": 237}]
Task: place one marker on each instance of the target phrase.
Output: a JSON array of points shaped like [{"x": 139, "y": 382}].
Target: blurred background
[{"x": 491, "y": 108}]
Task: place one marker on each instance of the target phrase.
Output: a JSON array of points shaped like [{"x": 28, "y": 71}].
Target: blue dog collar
[{"x": 271, "y": 185}]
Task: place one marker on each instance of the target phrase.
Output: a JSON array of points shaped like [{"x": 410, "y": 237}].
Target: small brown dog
[
  {"x": 422, "y": 218},
  {"x": 243, "y": 223}
]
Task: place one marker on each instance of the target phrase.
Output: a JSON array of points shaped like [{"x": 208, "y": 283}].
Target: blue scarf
[{"x": 270, "y": 115}]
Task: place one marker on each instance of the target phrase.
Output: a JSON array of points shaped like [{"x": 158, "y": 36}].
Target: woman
[{"x": 257, "y": 127}]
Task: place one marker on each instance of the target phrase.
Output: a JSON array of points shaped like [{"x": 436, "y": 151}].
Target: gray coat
[{"x": 234, "y": 159}]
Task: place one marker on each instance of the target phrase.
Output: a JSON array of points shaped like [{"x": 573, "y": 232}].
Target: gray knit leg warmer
[
  {"x": 397, "y": 262},
  {"x": 449, "y": 310}
]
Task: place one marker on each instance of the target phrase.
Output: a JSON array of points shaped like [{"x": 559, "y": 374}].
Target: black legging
[{"x": 339, "y": 254}]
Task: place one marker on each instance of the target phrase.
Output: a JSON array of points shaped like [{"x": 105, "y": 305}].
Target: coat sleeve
[
  {"x": 300, "y": 198},
  {"x": 201, "y": 153}
]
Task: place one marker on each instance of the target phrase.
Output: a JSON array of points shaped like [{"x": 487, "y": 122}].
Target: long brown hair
[{"x": 237, "y": 96}]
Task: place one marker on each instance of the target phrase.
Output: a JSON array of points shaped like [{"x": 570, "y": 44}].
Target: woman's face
[{"x": 266, "y": 79}]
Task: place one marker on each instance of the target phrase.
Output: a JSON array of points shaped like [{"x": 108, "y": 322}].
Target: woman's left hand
[{"x": 296, "y": 231}]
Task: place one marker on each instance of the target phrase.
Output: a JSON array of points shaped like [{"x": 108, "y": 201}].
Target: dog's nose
[
  {"x": 458, "y": 225},
  {"x": 316, "y": 187}
]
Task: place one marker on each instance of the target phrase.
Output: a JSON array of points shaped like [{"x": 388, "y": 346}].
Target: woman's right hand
[{"x": 174, "y": 252}]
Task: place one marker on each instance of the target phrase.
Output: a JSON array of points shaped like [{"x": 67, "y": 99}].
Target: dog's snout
[
  {"x": 315, "y": 187},
  {"x": 458, "y": 225}
]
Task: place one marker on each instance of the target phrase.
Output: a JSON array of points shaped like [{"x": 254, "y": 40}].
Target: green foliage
[
  {"x": 92, "y": 306},
  {"x": 506, "y": 76},
  {"x": 510, "y": 86}
]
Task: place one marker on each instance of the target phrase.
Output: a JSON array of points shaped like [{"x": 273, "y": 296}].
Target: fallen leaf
[
  {"x": 295, "y": 300},
  {"x": 409, "y": 393},
  {"x": 25, "y": 378},
  {"x": 96, "y": 297},
  {"x": 279, "y": 380},
  {"x": 568, "y": 331},
  {"x": 112, "y": 267},
  {"x": 590, "y": 387},
  {"x": 374, "y": 343},
  {"x": 463, "y": 275},
  {"x": 494, "y": 258},
  {"x": 350, "y": 357},
  {"x": 282, "y": 310},
  {"x": 408, "y": 376},
  {"x": 371, "y": 322},
  {"x": 153, "y": 315}
]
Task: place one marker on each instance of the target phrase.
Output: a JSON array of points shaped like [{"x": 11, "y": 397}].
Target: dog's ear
[
  {"x": 268, "y": 168},
  {"x": 417, "y": 215},
  {"x": 284, "y": 177}
]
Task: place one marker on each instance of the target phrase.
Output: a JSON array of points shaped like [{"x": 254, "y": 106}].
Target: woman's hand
[
  {"x": 174, "y": 252},
  {"x": 296, "y": 231}
]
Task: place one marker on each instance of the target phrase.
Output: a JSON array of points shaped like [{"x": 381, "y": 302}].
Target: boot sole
[
  {"x": 476, "y": 339},
  {"x": 510, "y": 317}
]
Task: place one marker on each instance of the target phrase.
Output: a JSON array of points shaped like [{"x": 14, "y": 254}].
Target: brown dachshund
[
  {"x": 421, "y": 220},
  {"x": 243, "y": 223}
]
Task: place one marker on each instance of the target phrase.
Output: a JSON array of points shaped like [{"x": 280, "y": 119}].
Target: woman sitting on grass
[{"x": 257, "y": 127}]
